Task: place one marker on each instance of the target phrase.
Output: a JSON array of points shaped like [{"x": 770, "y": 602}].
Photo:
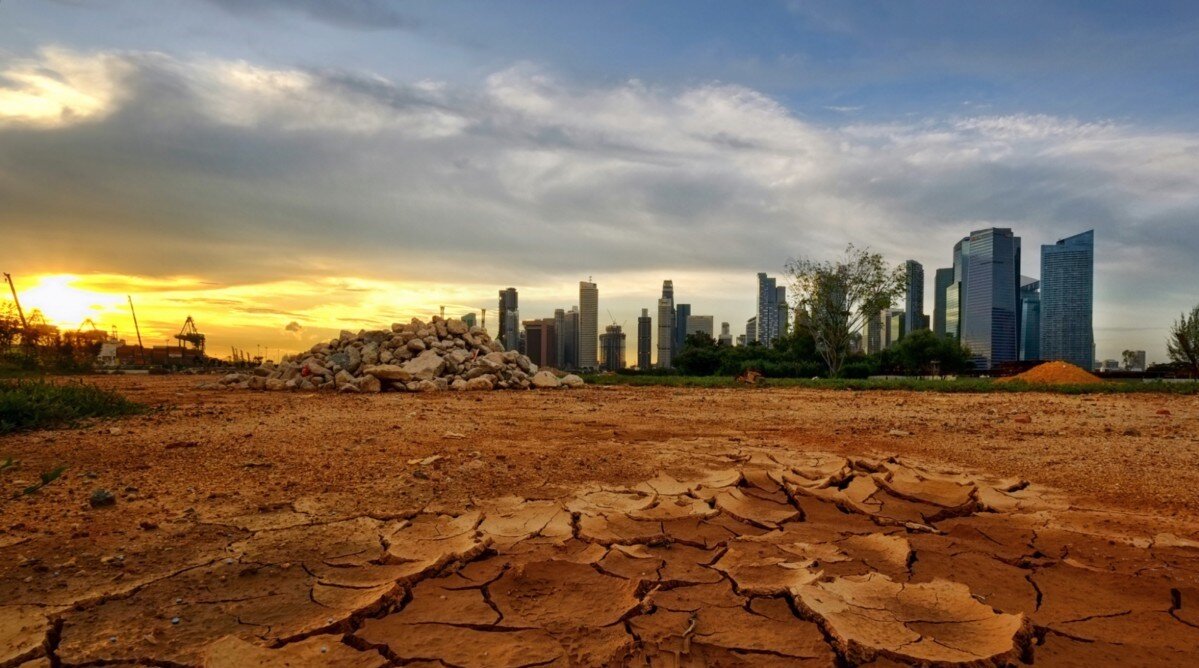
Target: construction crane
[
  {"x": 189, "y": 334},
  {"x": 140, "y": 348},
  {"x": 13, "y": 287}
]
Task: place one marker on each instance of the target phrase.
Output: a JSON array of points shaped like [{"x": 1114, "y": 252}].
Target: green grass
[
  {"x": 976, "y": 385},
  {"x": 36, "y": 404}
]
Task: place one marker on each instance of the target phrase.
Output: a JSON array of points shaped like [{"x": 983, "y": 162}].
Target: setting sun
[{"x": 63, "y": 304}]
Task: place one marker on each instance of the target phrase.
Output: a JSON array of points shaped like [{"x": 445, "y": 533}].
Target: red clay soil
[
  {"x": 1055, "y": 373},
  {"x": 607, "y": 526}
]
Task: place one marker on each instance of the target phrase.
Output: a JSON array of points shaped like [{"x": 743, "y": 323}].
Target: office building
[
  {"x": 645, "y": 335},
  {"x": 942, "y": 281},
  {"x": 560, "y": 340},
  {"x": 588, "y": 324},
  {"x": 541, "y": 342},
  {"x": 509, "y": 320},
  {"x": 469, "y": 319},
  {"x": 894, "y": 327},
  {"x": 1067, "y": 300},
  {"x": 666, "y": 325},
  {"x": 914, "y": 317},
  {"x": 612, "y": 348},
  {"x": 784, "y": 311},
  {"x": 701, "y": 323},
  {"x": 1030, "y": 319},
  {"x": 955, "y": 294},
  {"x": 770, "y": 296},
  {"x": 874, "y": 334},
  {"x": 751, "y": 330},
  {"x": 991, "y": 312},
  {"x": 726, "y": 336},
  {"x": 741, "y": 340},
  {"x": 570, "y": 339},
  {"x": 681, "y": 313}
]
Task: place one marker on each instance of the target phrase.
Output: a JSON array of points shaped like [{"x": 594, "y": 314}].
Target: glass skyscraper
[
  {"x": 914, "y": 304},
  {"x": 1067, "y": 300},
  {"x": 942, "y": 281},
  {"x": 1030, "y": 319},
  {"x": 991, "y": 308}
]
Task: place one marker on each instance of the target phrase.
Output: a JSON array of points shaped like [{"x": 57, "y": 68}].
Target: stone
[
  {"x": 370, "y": 384},
  {"x": 388, "y": 372},
  {"x": 479, "y": 383},
  {"x": 425, "y": 366},
  {"x": 545, "y": 380},
  {"x": 571, "y": 380},
  {"x": 101, "y": 498}
]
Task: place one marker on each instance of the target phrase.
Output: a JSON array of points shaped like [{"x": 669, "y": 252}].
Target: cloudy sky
[{"x": 283, "y": 169}]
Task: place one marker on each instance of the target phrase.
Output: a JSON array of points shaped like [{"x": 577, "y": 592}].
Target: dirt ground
[{"x": 607, "y": 526}]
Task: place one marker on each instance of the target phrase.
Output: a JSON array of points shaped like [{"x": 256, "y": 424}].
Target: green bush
[
  {"x": 856, "y": 370},
  {"x": 35, "y": 404}
]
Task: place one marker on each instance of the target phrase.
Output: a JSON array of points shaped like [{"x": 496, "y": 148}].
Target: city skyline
[{"x": 289, "y": 170}]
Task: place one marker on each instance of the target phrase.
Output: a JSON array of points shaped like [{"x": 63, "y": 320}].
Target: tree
[
  {"x": 1183, "y": 344},
  {"x": 923, "y": 352},
  {"x": 840, "y": 297}
]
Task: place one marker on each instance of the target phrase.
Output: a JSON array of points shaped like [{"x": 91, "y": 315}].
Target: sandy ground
[{"x": 254, "y": 496}]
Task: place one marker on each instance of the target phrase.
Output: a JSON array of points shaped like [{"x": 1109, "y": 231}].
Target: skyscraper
[
  {"x": 1067, "y": 300},
  {"x": 914, "y": 304},
  {"x": 588, "y": 324},
  {"x": 645, "y": 335},
  {"x": 955, "y": 294},
  {"x": 701, "y": 323},
  {"x": 681, "y": 313},
  {"x": 726, "y": 337},
  {"x": 874, "y": 334},
  {"x": 1030, "y": 319},
  {"x": 941, "y": 283},
  {"x": 509, "y": 320},
  {"x": 768, "y": 309},
  {"x": 612, "y": 343},
  {"x": 751, "y": 330},
  {"x": 992, "y": 309},
  {"x": 570, "y": 339},
  {"x": 666, "y": 325},
  {"x": 560, "y": 339},
  {"x": 784, "y": 311}
]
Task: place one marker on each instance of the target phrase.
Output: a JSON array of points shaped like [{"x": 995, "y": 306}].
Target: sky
[{"x": 281, "y": 170}]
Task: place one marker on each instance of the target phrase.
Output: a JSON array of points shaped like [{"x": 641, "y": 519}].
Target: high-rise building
[
  {"x": 560, "y": 339},
  {"x": 768, "y": 324},
  {"x": 991, "y": 324},
  {"x": 612, "y": 348},
  {"x": 941, "y": 283},
  {"x": 914, "y": 303},
  {"x": 681, "y": 313},
  {"x": 509, "y": 320},
  {"x": 701, "y": 323},
  {"x": 874, "y": 334},
  {"x": 741, "y": 340},
  {"x": 891, "y": 320},
  {"x": 469, "y": 319},
  {"x": 541, "y": 342},
  {"x": 726, "y": 336},
  {"x": 570, "y": 339},
  {"x": 666, "y": 325},
  {"x": 784, "y": 312},
  {"x": 1030, "y": 319},
  {"x": 955, "y": 294},
  {"x": 645, "y": 335},
  {"x": 751, "y": 330},
  {"x": 588, "y": 324},
  {"x": 1067, "y": 300}
]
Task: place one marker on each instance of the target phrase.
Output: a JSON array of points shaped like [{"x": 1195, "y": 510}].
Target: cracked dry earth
[{"x": 698, "y": 554}]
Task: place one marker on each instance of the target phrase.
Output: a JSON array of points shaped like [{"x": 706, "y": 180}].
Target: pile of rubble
[{"x": 416, "y": 357}]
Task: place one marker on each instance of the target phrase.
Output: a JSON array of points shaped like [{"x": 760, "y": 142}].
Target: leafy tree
[
  {"x": 700, "y": 355},
  {"x": 921, "y": 352},
  {"x": 839, "y": 297},
  {"x": 1183, "y": 344}
]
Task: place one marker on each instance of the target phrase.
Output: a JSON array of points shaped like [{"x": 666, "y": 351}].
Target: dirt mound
[{"x": 1055, "y": 373}]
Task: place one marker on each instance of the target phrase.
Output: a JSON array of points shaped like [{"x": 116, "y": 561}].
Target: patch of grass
[
  {"x": 975, "y": 385},
  {"x": 36, "y": 404}
]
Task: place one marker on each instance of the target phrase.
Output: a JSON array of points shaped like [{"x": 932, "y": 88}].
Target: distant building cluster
[
  {"x": 981, "y": 300},
  {"x": 999, "y": 314}
]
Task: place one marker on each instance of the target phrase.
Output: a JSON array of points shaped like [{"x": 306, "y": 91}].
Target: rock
[
  {"x": 479, "y": 383},
  {"x": 545, "y": 380},
  {"x": 458, "y": 385},
  {"x": 102, "y": 498},
  {"x": 341, "y": 360},
  {"x": 389, "y": 372},
  {"x": 275, "y": 384},
  {"x": 370, "y": 384},
  {"x": 426, "y": 366},
  {"x": 571, "y": 380},
  {"x": 456, "y": 327},
  {"x": 899, "y": 432}
]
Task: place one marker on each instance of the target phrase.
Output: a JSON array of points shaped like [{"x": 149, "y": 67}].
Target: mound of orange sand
[{"x": 1056, "y": 373}]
